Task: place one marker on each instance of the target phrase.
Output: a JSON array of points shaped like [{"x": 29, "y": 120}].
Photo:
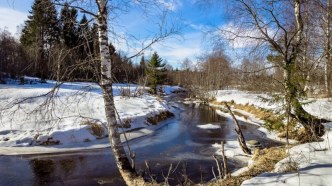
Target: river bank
[
  {"x": 183, "y": 141},
  {"x": 305, "y": 164},
  {"x": 74, "y": 117}
]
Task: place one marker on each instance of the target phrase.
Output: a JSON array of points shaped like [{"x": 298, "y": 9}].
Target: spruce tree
[
  {"x": 142, "y": 67},
  {"x": 40, "y": 33},
  {"x": 154, "y": 72},
  {"x": 84, "y": 33},
  {"x": 69, "y": 27}
]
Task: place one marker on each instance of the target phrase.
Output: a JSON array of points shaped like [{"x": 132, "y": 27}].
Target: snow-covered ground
[
  {"x": 318, "y": 107},
  {"x": 312, "y": 160},
  {"x": 68, "y": 118}
]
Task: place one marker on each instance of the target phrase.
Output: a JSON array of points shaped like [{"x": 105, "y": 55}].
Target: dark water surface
[{"x": 179, "y": 142}]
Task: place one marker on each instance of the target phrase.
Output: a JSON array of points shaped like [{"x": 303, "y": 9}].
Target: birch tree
[
  {"x": 327, "y": 46},
  {"x": 125, "y": 166},
  {"x": 121, "y": 159},
  {"x": 277, "y": 27}
]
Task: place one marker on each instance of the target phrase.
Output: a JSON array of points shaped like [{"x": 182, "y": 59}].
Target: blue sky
[{"x": 139, "y": 28}]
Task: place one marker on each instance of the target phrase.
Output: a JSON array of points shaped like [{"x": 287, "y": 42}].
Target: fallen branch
[{"x": 238, "y": 131}]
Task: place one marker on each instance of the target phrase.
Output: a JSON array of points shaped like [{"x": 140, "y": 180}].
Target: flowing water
[{"x": 179, "y": 142}]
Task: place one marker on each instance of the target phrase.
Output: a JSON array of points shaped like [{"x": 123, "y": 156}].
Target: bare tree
[{"x": 277, "y": 25}]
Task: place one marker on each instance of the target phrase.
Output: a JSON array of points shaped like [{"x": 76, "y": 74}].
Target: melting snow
[{"x": 208, "y": 126}]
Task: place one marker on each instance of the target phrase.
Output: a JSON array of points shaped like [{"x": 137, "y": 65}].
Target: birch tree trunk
[
  {"x": 127, "y": 172},
  {"x": 327, "y": 68}
]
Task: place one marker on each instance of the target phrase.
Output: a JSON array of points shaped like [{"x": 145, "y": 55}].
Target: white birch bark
[
  {"x": 127, "y": 172},
  {"x": 327, "y": 67}
]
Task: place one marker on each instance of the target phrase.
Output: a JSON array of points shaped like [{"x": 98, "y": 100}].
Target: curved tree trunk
[
  {"x": 312, "y": 124},
  {"x": 240, "y": 137}
]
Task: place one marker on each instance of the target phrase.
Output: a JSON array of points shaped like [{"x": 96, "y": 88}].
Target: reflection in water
[
  {"x": 180, "y": 142},
  {"x": 43, "y": 171},
  {"x": 67, "y": 166}
]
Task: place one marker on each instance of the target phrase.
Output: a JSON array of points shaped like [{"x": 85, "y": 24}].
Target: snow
[
  {"x": 244, "y": 97},
  {"x": 66, "y": 117},
  {"x": 312, "y": 161},
  {"x": 319, "y": 107},
  {"x": 232, "y": 150},
  {"x": 77, "y": 104},
  {"x": 171, "y": 89},
  {"x": 208, "y": 126}
]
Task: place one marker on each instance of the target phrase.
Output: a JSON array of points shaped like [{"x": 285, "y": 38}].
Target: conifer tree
[
  {"x": 40, "y": 34},
  {"x": 154, "y": 71},
  {"x": 69, "y": 27},
  {"x": 84, "y": 33},
  {"x": 142, "y": 67}
]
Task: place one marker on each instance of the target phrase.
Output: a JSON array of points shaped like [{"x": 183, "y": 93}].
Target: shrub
[{"x": 95, "y": 128}]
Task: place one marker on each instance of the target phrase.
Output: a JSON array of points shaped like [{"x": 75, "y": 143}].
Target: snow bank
[
  {"x": 71, "y": 116},
  {"x": 319, "y": 107},
  {"x": 312, "y": 161},
  {"x": 172, "y": 89},
  {"x": 231, "y": 149},
  {"x": 243, "y": 97}
]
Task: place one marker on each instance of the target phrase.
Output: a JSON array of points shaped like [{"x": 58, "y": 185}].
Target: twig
[
  {"x": 224, "y": 159},
  {"x": 218, "y": 166}
]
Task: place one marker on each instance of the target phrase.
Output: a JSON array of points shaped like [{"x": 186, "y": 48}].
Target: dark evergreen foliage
[
  {"x": 69, "y": 26},
  {"x": 12, "y": 57},
  {"x": 40, "y": 33},
  {"x": 154, "y": 72}
]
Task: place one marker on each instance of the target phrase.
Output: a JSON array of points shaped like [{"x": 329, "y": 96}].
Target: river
[{"x": 179, "y": 142}]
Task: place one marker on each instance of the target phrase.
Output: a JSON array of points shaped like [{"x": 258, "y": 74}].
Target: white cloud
[
  {"x": 175, "y": 51},
  {"x": 240, "y": 37},
  {"x": 10, "y": 19},
  {"x": 172, "y": 5}
]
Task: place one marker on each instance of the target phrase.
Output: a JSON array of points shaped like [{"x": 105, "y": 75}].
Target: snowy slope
[
  {"x": 313, "y": 160},
  {"x": 318, "y": 107},
  {"x": 65, "y": 118}
]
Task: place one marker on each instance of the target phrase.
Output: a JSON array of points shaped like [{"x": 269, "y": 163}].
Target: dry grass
[
  {"x": 126, "y": 123},
  {"x": 272, "y": 121},
  {"x": 159, "y": 117},
  {"x": 240, "y": 114},
  {"x": 319, "y": 96},
  {"x": 300, "y": 135},
  {"x": 264, "y": 161},
  {"x": 95, "y": 128}
]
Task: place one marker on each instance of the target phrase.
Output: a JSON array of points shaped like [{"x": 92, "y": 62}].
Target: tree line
[{"x": 61, "y": 47}]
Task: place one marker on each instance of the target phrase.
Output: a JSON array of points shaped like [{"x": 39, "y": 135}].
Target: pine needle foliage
[{"x": 154, "y": 72}]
